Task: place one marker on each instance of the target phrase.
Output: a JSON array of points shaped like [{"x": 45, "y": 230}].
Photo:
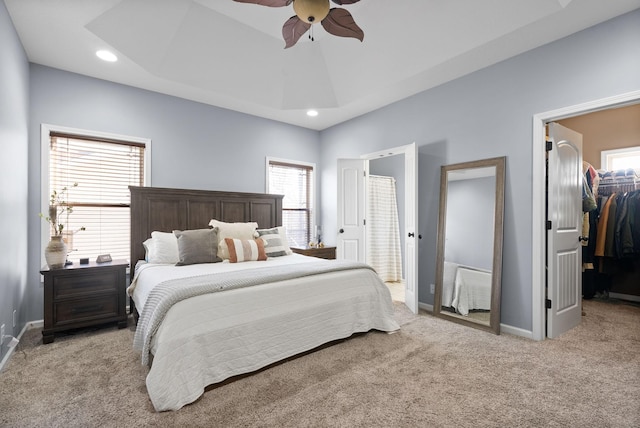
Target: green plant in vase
[{"x": 56, "y": 251}]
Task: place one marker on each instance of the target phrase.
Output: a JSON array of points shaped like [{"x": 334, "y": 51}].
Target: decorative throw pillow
[
  {"x": 197, "y": 246},
  {"x": 234, "y": 231},
  {"x": 163, "y": 248},
  {"x": 274, "y": 244},
  {"x": 244, "y": 250},
  {"x": 148, "y": 249}
]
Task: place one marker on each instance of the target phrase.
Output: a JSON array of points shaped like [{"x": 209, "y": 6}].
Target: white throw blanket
[
  {"x": 472, "y": 290},
  {"x": 170, "y": 292}
]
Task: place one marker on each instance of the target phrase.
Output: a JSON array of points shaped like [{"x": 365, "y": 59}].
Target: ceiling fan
[{"x": 336, "y": 21}]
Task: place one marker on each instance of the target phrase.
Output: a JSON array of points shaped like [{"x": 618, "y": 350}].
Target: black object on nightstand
[
  {"x": 84, "y": 295},
  {"x": 320, "y": 252}
]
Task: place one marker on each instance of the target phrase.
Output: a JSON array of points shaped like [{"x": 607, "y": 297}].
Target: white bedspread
[
  {"x": 448, "y": 282},
  {"x": 206, "y": 339},
  {"x": 472, "y": 290}
]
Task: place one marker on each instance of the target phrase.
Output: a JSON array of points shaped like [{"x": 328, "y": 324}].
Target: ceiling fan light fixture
[
  {"x": 336, "y": 21},
  {"x": 311, "y": 11}
]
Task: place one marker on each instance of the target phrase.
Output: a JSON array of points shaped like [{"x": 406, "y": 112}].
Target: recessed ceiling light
[
  {"x": 106, "y": 56},
  {"x": 312, "y": 113}
]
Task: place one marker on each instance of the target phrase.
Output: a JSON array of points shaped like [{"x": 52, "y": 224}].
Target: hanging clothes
[
  {"x": 617, "y": 240},
  {"x": 590, "y": 212},
  {"x": 602, "y": 225}
]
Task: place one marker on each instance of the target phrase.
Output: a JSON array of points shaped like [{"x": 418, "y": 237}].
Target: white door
[
  {"x": 352, "y": 203},
  {"x": 564, "y": 211},
  {"x": 350, "y": 244},
  {"x": 411, "y": 227}
]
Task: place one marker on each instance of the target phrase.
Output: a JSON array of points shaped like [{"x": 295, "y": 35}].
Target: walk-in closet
[{"x": 611, "y": 203}]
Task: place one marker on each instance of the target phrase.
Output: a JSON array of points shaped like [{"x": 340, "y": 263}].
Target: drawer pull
[{"x": 85, "y": 309}]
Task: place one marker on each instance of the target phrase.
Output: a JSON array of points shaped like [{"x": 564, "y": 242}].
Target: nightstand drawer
[
  {"x": 77, "y": 296},
  {"x": 79, "y": 285},
  {"x": 71, "y": 311}
]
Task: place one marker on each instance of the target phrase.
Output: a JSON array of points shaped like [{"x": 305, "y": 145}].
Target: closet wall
[
  {"x": 606, "y": 130},
  {"x": 615, "y": 128}
]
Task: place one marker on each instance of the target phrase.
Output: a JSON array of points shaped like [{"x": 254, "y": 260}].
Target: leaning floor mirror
[{"x": 469, "y": 260}]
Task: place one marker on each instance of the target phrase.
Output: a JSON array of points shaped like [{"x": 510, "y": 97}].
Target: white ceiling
[{"x": 232, "y": 55}]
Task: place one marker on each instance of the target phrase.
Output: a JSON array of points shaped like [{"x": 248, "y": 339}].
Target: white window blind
[
  {"x": 103, "y": 170},
  {"x": 295, "y": 182}
]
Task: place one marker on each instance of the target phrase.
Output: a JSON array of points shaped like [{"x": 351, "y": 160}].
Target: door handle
[
  {"x": 583, "y": 238},
  {"x": 341, "y": 231},
  {"x": 411, "y": 235}
]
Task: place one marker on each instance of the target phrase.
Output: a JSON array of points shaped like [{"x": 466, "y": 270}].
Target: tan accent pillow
[
  {"x": 244, "y": 250},
  {"x": 234, "y": 231}
]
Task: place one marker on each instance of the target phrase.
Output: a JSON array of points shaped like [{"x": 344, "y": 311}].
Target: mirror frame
[{"x": 496, "y": 275}]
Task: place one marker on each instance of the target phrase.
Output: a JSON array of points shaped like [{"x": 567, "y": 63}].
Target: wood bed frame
[{"x": 165, "y": 210}]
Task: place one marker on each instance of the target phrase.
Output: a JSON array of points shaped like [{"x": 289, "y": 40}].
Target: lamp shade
[{"x": 311, "y": 11}]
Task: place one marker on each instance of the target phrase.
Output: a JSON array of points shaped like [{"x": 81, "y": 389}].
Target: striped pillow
[
  {"x": 274, "y": 242},
  {"x": 243, "y": 250}
]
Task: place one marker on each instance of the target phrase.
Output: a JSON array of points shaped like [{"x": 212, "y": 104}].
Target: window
[
  {"x": 294, "y": 180},
  {"x": 618, "y": 159},
  {"x": 103, "y": 168}
]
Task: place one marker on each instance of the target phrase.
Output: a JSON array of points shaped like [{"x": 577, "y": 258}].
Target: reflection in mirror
[{"x": 469, "y": 264}]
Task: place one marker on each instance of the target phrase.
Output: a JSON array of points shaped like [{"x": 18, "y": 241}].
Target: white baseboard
[
  {"x": 504, "y": 328},
  {"x": 426, "y": 306},
  {"x": 509, "y": 329},
  {"x": 628, "y": 297},
  {"x": 33, "y": 324},
  {"x": 27, "y": 326}
]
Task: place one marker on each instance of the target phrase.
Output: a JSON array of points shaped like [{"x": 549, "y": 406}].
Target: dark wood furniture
[
  {"x": 165, "y": 210},
  {"x": 84, "y": 295},
  {"x": 322, "y": 253}
]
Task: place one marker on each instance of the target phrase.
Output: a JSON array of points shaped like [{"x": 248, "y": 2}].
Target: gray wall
[
  {"x": 489, "y": 114},
  {"x": 194, "y": 145},
  {"x": 14, "y": 96}
]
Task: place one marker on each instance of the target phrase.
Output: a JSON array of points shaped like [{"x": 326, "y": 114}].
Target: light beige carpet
[{"x": 433, "y": 373}]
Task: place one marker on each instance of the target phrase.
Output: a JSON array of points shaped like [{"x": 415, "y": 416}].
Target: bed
[
  {"x": 202, "y": 323},
  {"x": 466, "y": 288}
]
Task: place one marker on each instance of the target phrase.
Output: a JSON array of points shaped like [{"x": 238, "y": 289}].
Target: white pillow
[
  {"x": 285, "y": 240},
  {"x": 148, "y": 248},
  {"x": 233, "y": 231},
  {"x": 163, "y": 248}
]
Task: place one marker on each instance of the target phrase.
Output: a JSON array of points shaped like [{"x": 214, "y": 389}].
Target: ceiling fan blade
[
  {"x": 293, "y": 29},
  {"x": 341, "y": 2},
  {"x": 339, "y": 22},
  {"x": 270, "y": 3}
]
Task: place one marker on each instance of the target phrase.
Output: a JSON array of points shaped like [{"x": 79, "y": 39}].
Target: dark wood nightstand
[
  {"x": 323, "y": 253},
  {"x": 84, "y": 295}
]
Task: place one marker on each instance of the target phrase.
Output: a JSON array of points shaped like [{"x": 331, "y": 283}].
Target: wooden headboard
[{"x": 165, "y": 210}]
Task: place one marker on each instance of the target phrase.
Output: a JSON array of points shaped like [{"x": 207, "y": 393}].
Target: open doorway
[
  {"x": 385, "y": 221},
  {"x": 351, "y": 214},
  {"x": 539, "y": 211}
]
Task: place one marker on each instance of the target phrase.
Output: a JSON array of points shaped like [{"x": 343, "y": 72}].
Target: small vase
[{"x": 56, "y": 252}]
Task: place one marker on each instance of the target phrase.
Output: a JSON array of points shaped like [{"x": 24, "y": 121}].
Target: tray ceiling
[{"x": 232, "y": 55}]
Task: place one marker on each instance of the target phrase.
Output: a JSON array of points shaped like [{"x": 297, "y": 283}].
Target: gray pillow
[
  {"x": 197, "y": 246},
  {"x": 273, "y": 244}
]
